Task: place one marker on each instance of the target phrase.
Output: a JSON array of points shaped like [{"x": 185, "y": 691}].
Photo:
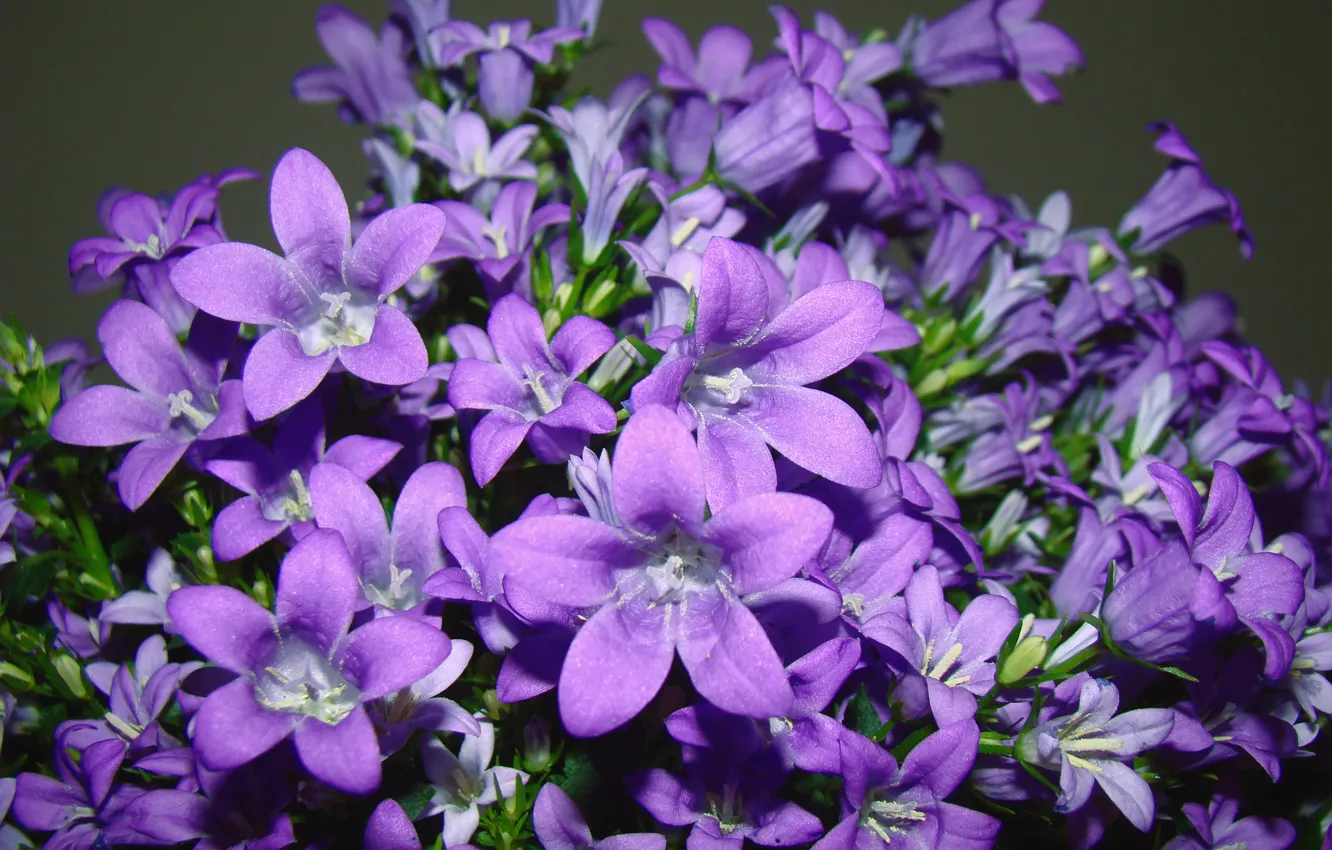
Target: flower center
[
  {"x": 182, "y": 404},
  {"x": 684, "y": 566},
  {"x": 154, "y": 247},
  {"x": 541, "y": 398},
  {"x": 715, "y": 390},
  {"x": 943, "y": 665},
  {"x": 291, "y": 503},
  {"x": 684, "y": 231},
  {"x": 887, "y": 818},
  {"x": 398, "y": 595},
  {"x": 346, "y": 320},
  {"x": 302, "y": 681}
]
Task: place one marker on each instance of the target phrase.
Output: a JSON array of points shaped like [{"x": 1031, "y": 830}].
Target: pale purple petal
[
  {"x": 558, "y": 823},
  {"x": 736, "y": 461},
  {"x": 818, "y": 432},
  {"x": 308, "y": 209},
  {"x": 394, "y": 246},
  {"x": 365, "y": 456},
  {"x": 430, "y": 489},
  {"x": 732, "y": 663},
  {"x": 579, "y": 342},
  {"x": 142, "y": 350},
  {"x": 494, "y": 440},
  {"x": 769, "y": 537},
  {"x": 568, "y": 560},
  {"x": 108, "y": 416},
  {"x": 732, "y": 295},
  {"x": 278, "y": 373},
  {"x": 392, "y": 653},
  {"x": 820, "y": 334},
  {"x": 239, "y": 283},
  {"x": 144, "y": 468},
  {"x": 657, "y": 477},
  {"x": 343, "y": 502},
  {"x": 241, "y": 527},
  {"x": 1128, "y": 791}
]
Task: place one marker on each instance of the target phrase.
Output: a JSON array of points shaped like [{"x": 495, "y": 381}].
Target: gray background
[{"x": 150, "y": 93}]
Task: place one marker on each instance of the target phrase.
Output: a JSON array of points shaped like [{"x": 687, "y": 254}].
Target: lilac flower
[
  {"x": 508, "y": 52},
  {"x": 423, "y": 16},
  {"x": 401, "y": 176},
  {"x": 806, "y": 738},
  {"x": 686, "y": 225},
  {"x": 327, "y": 300},
  {"x": 609, "y": 188},
  {"x": 147, "y": 607},
  {"x": 1089, "y": 746},
  {"x": 1259, "y": 586},
  {"x": 390, "y": 565},
  {"x": 665, "y": 581},
  {"x": 465, "y": 782},
  {"x": 580, "y": 14},
  {"x": 146, "y": 230},
  {"x": 301, "y": 673},
  {"x": 138, "y": 696},
  {"x": 741, "y": 382},
  {"x": 944, "y": 658},
  {"x": 989, "y": 40},
  {"x": 765, "y": 142},
  {"x": 719, "y": 72},
  {"x": 1155, "y": 610},
  {"x": 1217, "y": 828},
  {"x": 82, "y": 637},
  {"x": 1183, "y": 199},
  {"x": 371, "y": 81},
  {"x": 420, "y": 706},
  {"x": 469, "y": 155},
  {"x": 276, "y": 483},
  {"x": 1313, "y": 692},
  {"x": 529, "y": 388},
  {"x": 560, "y": 826},
  {"x": 389, "y": 828},
  {"x": 82, "y": 805},
  {"x": 175, "y": 396},
  {"x": 592, "y": 132},
  {"x": 501, "y": 245},
  {"x": 883, "y": 804}
]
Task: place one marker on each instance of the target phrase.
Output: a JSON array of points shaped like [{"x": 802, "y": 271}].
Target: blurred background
[{"x": 151, "y": 93}]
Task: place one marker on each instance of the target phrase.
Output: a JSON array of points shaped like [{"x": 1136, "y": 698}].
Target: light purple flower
[
  {"x": 401, "y": 176},
  {"x": 579, "y": 14},
  {"x": 560, "y": 826},
  {"x": 371, "y": 81},
  {"x": 943, "y": 657},
  {"x": 883, "y": 804},
  {"x": 423, "y": 16},
  {"x": 391, "y": 565},
  {"x": 276, "y": 482},
  {"x": 806, "y": 738},
  {"x": 175, "y": 396},
  {"x": 676, "y": 242},
  {"x": 528, "y": 388},
  {"x": 468, "y": 154},
  {"x": 82, "y": 637},
  {"x": 720, "y": 70},
  {"x": 1184, "y": 199},
  {"x": 741, "y": 381},
  {"x": 327, "y": 300},
  {"x": 508, "y": 52},
  {"x": 989, "y": 40},
  {"x": 592, "y": 132},
  {"x": 609, "y": 187},
  {"x": 299, "y": 672},
  {"x": 765, "y": 142},
  {"x": 501, "y": 245},
  {"x": 420, "y": 706},
  {"x": 147, "y": 607},
  {"x": 1312, "y": 691},
  {"x": 664, "y": 581},
  {"x": 137, "y": 696},
  {"x": 465, "y": 782},
  {"x": 1217, "y": 828},
  {"x": 1090, "y": 745}
]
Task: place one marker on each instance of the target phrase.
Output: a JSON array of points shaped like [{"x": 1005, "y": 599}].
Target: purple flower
[
  {"x": 944, "y": 658},
  {"x": 469, "y": 155},
  {"x": 147, "y": 607},
  {"x": 501, "y": 245},
  {"x": 82, "y": 805},
  {"x": 989, "y": 40},
  {"x": 528, "y": 388},
  {"x": 1154, "y": 611},
  {"x": 1313, "y": 692},
  {"x": 1259, "y": 586},
  {"x": 741, "y": 381},
  {"x": 686, "y": 225},
  {"x": 765, "y": 142},
  {"x": 806, "y": 738},
  {"x": 371, "y": 81},
  {"x": 175, "y": 396},
  {"x": 276, "y": 483},
  {"x": 391, "y": 565},
  {"x": 592, "y": 132},
  {"x": 1217, "y": 828},
  {"x": 1184, "y": 199},
  {"x": 327, "y": 300},
  {"x": 138, "y": 696},
  {"x": 423, "y": 16},
  {"x": 146, "y": 230},
  {"x": 1090, "y": 745},
  {"x": 507, "y": 54},
  {"x": 719, "y": 72},
  {"x": 883, "y": 804},
  {"x": 82, "y": 637},
  {"x": 609, "y": 188},
  {"x": 560, "y": 826},
  {"x": 300, "y": 672},
  {"x": 664, "y": 581},
  {"x": 465, "y": 782}
]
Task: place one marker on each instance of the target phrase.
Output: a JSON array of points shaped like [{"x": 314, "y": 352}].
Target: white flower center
[
  {"x": 886, "y": 818},
  {"x": 300, "y": 680},
  {"x": 182, "y": 404},
  {"x": 347, "y": 320},
  {"x": 730, "y": 387},
  {"x": 541, "y": 399},
  {"x": 291, "y": 504},
  {"x": 398, "y": 595},
  {"x": 684, "y": 566}
]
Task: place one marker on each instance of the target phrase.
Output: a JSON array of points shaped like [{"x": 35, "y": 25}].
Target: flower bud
[
  {"x": 536, "y": 746},
  {"x": 1025, "y": 657}
]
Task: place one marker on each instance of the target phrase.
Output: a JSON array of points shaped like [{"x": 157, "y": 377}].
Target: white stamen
[
  {"x": 732, "y": 386},
  {"x": 684, "y": 231},
  {"x": 182, "y": 404}
]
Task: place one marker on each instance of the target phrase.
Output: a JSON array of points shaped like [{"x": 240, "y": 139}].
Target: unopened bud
[
  {"x": 536, "y": 746},
  {"x": 71, "y": 674},
  {"x": 1025, "y": 657}
]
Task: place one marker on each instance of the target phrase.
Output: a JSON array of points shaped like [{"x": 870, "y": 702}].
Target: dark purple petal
[
  {"x": 223, "y": 625},
  {"x": 943, "y": 760},
  {"x": 232, "y": 729},
  {"x": 558, "y": 823},
  {"x": 732, "y": 662},
  {"x": 345, "y": 755},
  {"x": 241, "y": 527},
  {"x": 168, "y": 816},
  {"x": 317, "y": 588},
  {"x": 144, "y": 468},
  {"x": 389, "y": 828},
  {"x": 43, "y": 803}
]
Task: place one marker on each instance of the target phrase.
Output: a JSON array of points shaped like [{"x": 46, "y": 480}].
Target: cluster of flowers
[{"x": 949, "y": 514}]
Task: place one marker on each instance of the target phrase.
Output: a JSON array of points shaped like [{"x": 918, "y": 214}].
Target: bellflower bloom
[
  {"x": 592, "y": 131},
  {"x": 989, "y": 40},
  {"x": 560, "y": 826},
  {"x": 1312, "y": 657},
  {"x": 1184, "y": 199},
  {"x": 609, "y": 188},
  {"x": 507, "y": 54},
  {"x": 371, "y": 81},
  {"x": 1217, "y": 828},
  {"x": 327, "y": 300},
  {"x": 82, "y": 805},
  {"x": 175, "y": 396},
  {"x": 528, "y": 388},
  {"x": 423, "y": 17},
  {"x": 806, "y": 738},
  {"x": 1155, "y": 610},
  {"x": 944, "y": 657},
  {"x": 299, "y": 671},
  {"x": 465, "y": 782},
  {"x": 719, "y": 71},
  {"x": 137, "y": 696},
  {"x": 470, "y": 157},
  {"x": 883, "y": 804},
  {"x": 767, "y": 141},
  {"x": 741, "y": 381},
  {"x": 390, "y": 566},
  {"x": 147, "y": 607},
  {"x": 421, "y": 707},
  {"x": 664, "y": 581}
]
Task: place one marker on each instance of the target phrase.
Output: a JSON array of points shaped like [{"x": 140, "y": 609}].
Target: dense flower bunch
[{"x": 709, "y": 465}]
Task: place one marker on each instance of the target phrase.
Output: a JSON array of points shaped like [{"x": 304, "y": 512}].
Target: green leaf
[{"x": 650, "y": 354}]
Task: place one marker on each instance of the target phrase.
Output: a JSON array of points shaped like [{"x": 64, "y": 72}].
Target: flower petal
[
  {"x": 818, "y": 432},
  {"x": 241, "y": 527},
  {"x": 568, "y": 560},
  {"x": 222, "y": 624},
  {"x": 145, "y": 466},
  {"x": 389, "y": 828},
  {"x": 416, "y": 541},
  {"x": 494, "y": 440},
  {"x": 394, "y": 246},
  {"x": 142, "y": 350},
  {"x": 769, "y": 537},
  {"x": 346, "y": 504},
  {"x": 614, "y": 668},
  {"x": 232, "y": 728},
  {"x": 732, "y": 295},
  {"x": 1128, "y": 791},
  {"x": 732, "y": 663},
  {"x": 317, "y": 588},
  {"x": 657, "y": 476},
  {"x": 278, "y": 373},
  {"x": 239, "y": 283},
  {"x": 579, "y": 342},
  {"x": 308, "y": 209},
  {"x": 519, "y": 338},
  {"x": 819, "y": 334},
  {"x": 558, "y": 823},
  {"x": 392, "y": 653},
  {"x": 736, "y": 460},
  {"x": 394, "y": 355},
  {"x": 345, "y": 755},
  {"x": 108, "y": 416}
]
